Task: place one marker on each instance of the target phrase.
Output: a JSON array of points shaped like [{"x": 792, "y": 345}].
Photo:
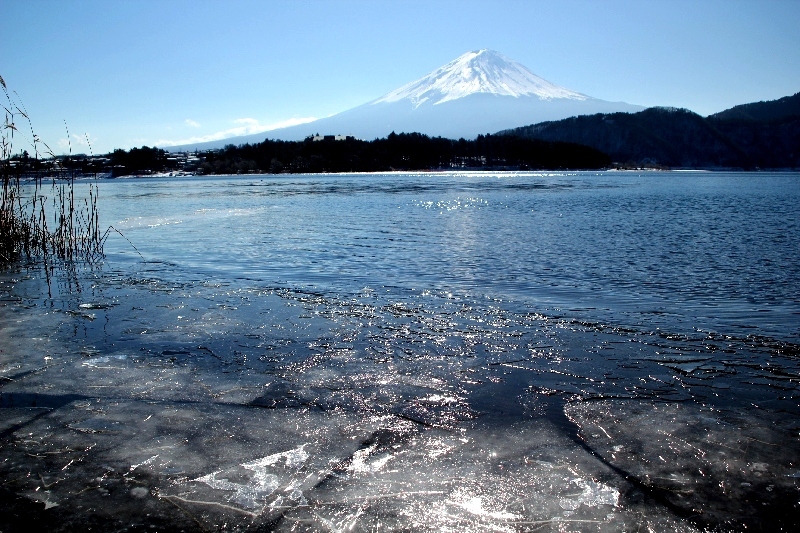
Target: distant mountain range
[
  {"x": 483, "y": 91},
  {"x": 756, "y": 135},
  {"x": 480, "y": 92}
]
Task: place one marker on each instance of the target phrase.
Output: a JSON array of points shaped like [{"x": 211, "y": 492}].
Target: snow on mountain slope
[
  {"x": 480, "y": 92},
  {"x": 481, "y": 71}
]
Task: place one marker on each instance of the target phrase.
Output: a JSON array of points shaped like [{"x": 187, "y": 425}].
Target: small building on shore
[{"x": 333, "y": 138}]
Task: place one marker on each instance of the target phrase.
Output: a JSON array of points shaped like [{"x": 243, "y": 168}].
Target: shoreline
[
  {"x": 119, "y": 427},
  {"x": 477, "y": 170}
]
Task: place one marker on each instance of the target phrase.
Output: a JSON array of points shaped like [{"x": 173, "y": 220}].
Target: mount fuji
[{"x": 479, "y": 92}]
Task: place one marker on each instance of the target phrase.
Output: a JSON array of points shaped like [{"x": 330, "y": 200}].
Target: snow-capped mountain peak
[
  {"x": 480, "y": 71},
  {"x": 480, "y": 92}
]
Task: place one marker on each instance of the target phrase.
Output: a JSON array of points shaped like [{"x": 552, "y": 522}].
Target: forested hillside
[{"x": 758, "y": 135}]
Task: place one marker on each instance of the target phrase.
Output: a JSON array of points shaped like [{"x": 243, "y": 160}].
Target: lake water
[{"x": 430, "y": 351}]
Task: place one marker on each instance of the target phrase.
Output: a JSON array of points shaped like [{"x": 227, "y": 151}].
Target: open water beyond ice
[{"x": 433, "y": 352}]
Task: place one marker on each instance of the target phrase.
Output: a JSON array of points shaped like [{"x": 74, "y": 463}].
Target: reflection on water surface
[{"x": 429, "y": 352}]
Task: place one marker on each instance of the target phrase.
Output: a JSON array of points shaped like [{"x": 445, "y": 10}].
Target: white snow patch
[
  {"x": 592, "y": 495},
  {"x": 359, "y": 463},
  {"x": 94, "y": 361},
  {"x": 481, "y": 71},
  {"x": 475, "y": 505},
  {"x": 263, "y": 482}
]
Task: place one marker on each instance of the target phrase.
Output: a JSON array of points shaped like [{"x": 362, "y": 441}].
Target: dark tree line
[
  {"x": 138, "y": 160},
  {"x": 79, "y": 164},
  {"x": 405, "y": 151}
]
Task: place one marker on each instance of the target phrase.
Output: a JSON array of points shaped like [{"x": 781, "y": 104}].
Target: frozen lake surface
[{"x": 418, "y": 352}]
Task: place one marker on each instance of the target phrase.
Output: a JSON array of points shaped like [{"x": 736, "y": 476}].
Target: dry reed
[{"x": 41, "y": 216}]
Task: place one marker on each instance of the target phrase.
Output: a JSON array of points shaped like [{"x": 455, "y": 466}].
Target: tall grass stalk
[{"x": 41, "y": 217}]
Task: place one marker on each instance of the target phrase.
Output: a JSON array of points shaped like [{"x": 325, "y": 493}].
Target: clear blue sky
[{"x": 132, "y": 73}]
